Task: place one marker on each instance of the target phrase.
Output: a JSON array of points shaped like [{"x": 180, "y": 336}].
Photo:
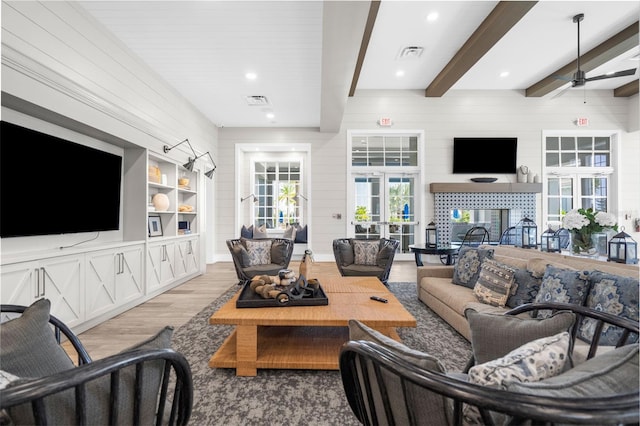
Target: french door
[{"x": 385, "y": 207}]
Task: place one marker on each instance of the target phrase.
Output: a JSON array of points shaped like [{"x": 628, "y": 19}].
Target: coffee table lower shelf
[{"x": 289, "y": 347}]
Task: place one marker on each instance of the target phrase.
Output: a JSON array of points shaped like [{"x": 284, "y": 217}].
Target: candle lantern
[
  {"x": 550, "y": 241},
  {"x": 623, "y": 249},
  {"x": 526, "y": 234},
  {"x": 431, "y": 240}
]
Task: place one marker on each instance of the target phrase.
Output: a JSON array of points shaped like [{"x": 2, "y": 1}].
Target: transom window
[{"x": 371, "y": 151}]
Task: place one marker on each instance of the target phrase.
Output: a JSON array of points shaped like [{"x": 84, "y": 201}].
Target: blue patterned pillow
[
  {"x": 366, "y": 252},
  {"x": 613, "y": 294},
  {"x": 259, "y": 252},
  {"x": 467, "y": 269},
  {"x": 246, "y": 232},
  {"x": 562, "y": 285},
  {"x": 524, "y": 289}
]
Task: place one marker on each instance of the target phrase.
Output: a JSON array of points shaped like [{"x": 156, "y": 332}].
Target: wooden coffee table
[{"x": 305, "y": 337}]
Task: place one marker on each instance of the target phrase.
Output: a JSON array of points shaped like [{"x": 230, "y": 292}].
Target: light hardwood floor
[{"x": 178, "y": 305}]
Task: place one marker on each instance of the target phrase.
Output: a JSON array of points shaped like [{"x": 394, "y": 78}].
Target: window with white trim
[
  {"x": 277, "y": 188},
  {"x": 578, "y": 173}
]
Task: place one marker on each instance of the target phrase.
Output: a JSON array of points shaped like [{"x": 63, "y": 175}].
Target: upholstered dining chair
[
  {"x": 365, "y": 257},
  {"x": 253, "y": 257}
]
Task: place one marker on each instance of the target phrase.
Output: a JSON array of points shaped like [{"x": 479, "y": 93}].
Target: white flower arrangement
[{"x": 582, "y": 223}]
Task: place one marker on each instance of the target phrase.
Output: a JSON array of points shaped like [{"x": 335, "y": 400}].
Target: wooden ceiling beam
[
  {"x": 501, "y": 19},
  {"x": 603, "y": 53},
  {"x": 626, "y": 90},
  {"x": 366, "y": 37}
]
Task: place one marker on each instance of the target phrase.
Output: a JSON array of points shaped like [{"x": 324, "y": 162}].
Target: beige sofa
[{"x": 448, "y": 300}]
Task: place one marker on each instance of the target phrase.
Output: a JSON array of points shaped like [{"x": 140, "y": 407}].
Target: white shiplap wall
[{"x": 458, "y": 113}]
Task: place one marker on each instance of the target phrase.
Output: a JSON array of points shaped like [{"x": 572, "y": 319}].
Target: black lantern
[
  {"x": 431, "y": 240},
  {"x": 623, "y": 249},
  {"x": 550, "y": 241},
  {"x": 526, "y": 234}
]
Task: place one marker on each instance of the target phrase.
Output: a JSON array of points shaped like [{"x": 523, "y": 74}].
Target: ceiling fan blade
[
  {"x": 562, "y": 77},
  {"x": 624, "y": 73}
]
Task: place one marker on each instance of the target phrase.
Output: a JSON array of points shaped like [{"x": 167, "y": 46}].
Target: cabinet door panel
[
  {"x": 100, "y": 282},
  {"x": 19, "y": 284},
  {"x": 129, "y": 276},
  {"x": 63, "y": 286}
]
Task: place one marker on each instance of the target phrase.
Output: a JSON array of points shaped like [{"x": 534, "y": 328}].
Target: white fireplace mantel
[{"x": 485, "y": 187}]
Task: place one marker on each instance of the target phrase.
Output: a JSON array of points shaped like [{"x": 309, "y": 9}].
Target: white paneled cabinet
[
  {"x": 113, "y": 277},
  {"x": 161, "y": 267},
  {"x": 59, "y": 279},
  {"x": 187, "y": 260}
]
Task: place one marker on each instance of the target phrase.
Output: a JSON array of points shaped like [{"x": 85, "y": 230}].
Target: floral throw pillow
[
  {"x": 613, "y": 294},
  {"x": 366, "y": 252},
  {"x": 259, "y": 252},
  {"x": 467, "y": 268},
  {"x": 562, "y": 285}
]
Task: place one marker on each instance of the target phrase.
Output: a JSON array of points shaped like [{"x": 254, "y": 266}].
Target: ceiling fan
[{"x": 579, "y": 77}]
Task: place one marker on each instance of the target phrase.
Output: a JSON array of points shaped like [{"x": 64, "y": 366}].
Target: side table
[{"x": 444, "y": 251}]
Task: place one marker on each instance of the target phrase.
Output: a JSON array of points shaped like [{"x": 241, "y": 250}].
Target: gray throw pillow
[
  {"x": 241, "y": 253},
  {"x": 616, "y": 295},
  {"x": 562, "y": 285},
  {"x": 61, "y": 406},
  {"x": 359, "y": 331},
  {"x": 301, "y": 234},
  {"x": 345, "y": 252},
  {"x": 613, "y": 373},
  {"x": 495, "y": 335},
  {"x": 467, "y": 268},
  {"x": 28, "y": 347},
  {"x": 279, "y": 253}
]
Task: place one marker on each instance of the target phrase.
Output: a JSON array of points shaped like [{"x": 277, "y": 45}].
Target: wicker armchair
[
  {"x": 142, "y": 386},
  {"x": 346, "y": 261},
  {"x": 384, "y": 388},
  {"x": 281, "y": 252}
]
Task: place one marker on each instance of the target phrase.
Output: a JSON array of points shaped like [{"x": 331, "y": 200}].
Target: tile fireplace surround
[{"x": 518, "y": 199}]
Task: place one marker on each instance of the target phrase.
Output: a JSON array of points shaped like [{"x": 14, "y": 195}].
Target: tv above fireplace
[{"x": 484, "y": 155}]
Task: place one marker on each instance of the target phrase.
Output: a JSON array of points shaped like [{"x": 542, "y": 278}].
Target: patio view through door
[{"x": 385, "y": 207}]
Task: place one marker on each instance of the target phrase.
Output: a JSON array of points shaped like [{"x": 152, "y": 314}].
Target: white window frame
[{"x": 576, "y": 173}]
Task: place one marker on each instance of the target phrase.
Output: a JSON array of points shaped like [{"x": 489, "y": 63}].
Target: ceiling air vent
[
  {"x": 257, "y": 100},
  {"x": 410, "y": 52}
]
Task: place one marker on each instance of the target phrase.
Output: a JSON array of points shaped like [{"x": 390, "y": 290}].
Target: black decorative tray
[
  {"x": 290, "y": 296},
  {"x": 484, "y": 180}
]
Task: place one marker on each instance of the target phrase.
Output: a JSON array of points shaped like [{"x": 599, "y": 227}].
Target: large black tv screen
[
  {"x": 484, "y": 155},
  {"x": 51, "y": 186}
]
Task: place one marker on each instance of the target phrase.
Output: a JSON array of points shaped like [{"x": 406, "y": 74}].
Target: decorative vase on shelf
[{"x": 160, "y": 202}]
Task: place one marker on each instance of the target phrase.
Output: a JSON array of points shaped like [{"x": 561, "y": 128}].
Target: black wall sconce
[
  {"x": 191, "y": 161},
  {"x": 255, "y": 199}
]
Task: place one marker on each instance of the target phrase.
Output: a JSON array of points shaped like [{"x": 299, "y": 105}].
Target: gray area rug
[{"x": 294, "y": 397}]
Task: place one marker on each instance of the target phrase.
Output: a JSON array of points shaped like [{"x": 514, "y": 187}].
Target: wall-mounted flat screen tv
[
  {"x": 484, "y": 155},
  {"x": 51, "y": 186}
]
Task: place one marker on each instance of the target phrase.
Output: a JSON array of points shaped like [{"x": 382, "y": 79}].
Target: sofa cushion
[
  {"x": 246, "y": 232},
  {"x": 494, "y": 283},
  {"x": 525, "y": 288},
  {"x": 365, "y": 252},
  {"x": 467, "y": 268},
  {"x": 61, "y": 406},
  {"x": 456, "y": 297},
  {"x": 613, "y": 294},
  {"x": 259, "y": 252},
  {"x": 260, "y": 232},
  {"x": 494, "y": 335},
  {"x": 289, "y": 233},
  {"x": 534, "y": 361},
  {"x": 301, "y": 236},
  {"x": 562, "y": 285},
  {"x": 359, "y": 331},
  {"x": 538, "y": 266},
  {"x": 612, "y": 373},
  {"x": 28, "y": 347},
  {"x": 345, "y": 251}
]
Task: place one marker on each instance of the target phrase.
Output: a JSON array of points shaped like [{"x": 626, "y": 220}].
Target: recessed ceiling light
[
  {"x": 504, "y": 74},
  {"x": 251, "y": 75},
  {"x": 433, "y": 16},
  {"x": 400, "y": 73},
  {"x": 270, "y": 115}
]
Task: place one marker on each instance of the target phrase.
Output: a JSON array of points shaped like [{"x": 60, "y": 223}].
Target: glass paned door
[{"x": 385, "y": 207}]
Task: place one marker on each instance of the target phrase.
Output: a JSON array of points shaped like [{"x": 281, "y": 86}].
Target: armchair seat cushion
[
  {"x": 362, "y": 270},
  {"x": 365, "y": 257}
]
